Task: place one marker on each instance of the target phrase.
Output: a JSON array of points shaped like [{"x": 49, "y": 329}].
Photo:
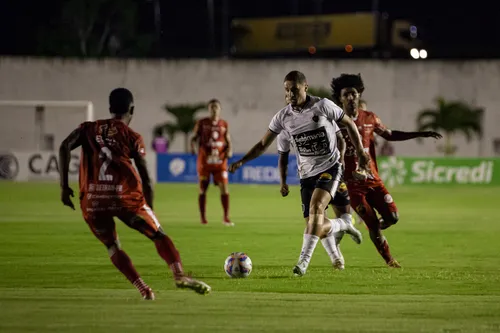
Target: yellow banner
[{"x": 300, "y": 32}]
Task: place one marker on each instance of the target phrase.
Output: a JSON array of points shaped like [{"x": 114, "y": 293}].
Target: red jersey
[
  {"x": 212, "y": 146},
  {"x": 367, "y": 123},
  {"x": 108, "y": 178}
]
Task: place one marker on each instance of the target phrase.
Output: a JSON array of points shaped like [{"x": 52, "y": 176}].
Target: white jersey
[{"x": 312, "y": 132}]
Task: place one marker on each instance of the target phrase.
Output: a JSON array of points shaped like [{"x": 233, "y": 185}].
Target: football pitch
[{"x": 55, "y": 276}]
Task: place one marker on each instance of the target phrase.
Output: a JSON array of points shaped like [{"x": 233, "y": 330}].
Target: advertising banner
[{"x": 41, "y": 166}]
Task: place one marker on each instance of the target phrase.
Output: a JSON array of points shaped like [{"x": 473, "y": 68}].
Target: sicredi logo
[
  {"x": 393, "y": 171},
  {"x": 177, "y": 166},
  {"x": 261, "y": 174}
]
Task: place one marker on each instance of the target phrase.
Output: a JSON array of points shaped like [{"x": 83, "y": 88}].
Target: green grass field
[{"x": 55, "y": 276}]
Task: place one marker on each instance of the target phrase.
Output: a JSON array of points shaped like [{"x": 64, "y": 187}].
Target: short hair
[
  {"x": 213, "y": 100},
  {"x": 346, "y": 81},
  {"x": 120, "y": 100},
  {"x": 296, "y": 76}
]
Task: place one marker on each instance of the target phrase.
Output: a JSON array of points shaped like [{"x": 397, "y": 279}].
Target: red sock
[
  {"x": 122, "y": 261},
  {"x": 224, "y": 198},
  {"x": 166, "y": 249},
  {"x": 383, "y": 249},
  {"x": 202, "y": 203}
]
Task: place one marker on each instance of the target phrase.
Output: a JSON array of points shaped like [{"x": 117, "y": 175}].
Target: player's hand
[
  {"x": 235, "y": 166},
  {"x": 284, "y": 190},
  {"x": 364, "y": 161},
  {"x": 431, "y": 134},
  {"x": 66, "y": 195}
]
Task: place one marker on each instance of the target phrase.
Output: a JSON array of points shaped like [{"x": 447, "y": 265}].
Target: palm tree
[
  {"x": 320, "y": 92},
  {"x": 185, "y": 121},
  {"x": 452, "y": 117}
]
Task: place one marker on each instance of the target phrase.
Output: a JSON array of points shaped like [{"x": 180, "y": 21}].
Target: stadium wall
[{"x": 251, "y": 92}]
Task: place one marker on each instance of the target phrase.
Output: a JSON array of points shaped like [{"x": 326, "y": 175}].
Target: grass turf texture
[{"x": 55, "y": 276}]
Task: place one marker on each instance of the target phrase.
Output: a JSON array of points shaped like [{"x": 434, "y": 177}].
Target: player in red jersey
[
  {"x": 213, "y": 143},
  {"x": 366, "y": 190},
  {"x": 110, "y": 187}
]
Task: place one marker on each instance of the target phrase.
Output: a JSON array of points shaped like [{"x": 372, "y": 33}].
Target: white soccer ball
[{"x": 238, "y": 265}]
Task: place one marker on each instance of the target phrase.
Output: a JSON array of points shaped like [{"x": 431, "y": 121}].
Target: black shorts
[{"x": 330, "y": 181}]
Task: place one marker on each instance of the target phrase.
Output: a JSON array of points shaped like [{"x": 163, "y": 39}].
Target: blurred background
[{"x": 426, "y": 65}]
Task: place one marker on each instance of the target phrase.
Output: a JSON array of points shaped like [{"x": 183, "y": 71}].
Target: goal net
[
  {"x": 40, "y": 125},
  {"x": 30, "y": 134}
]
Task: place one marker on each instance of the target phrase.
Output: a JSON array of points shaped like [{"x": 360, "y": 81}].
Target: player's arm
[
  {"x": 283, "y": 153},
  {"x": 195, "y": 137},
  {"x": 73, "y": 141},
  {"x": 341, "y": 146},
  {"x": 147, "y": 188},
  {"x": 391, "y": 135},
  {"x": 258, "y": 149},
  {"x": 355, "y": 137}
]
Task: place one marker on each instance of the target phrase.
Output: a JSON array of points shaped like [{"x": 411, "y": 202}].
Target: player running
[
  {"x": 110, "y": 187},
  {"x": 366, "y": 189},
  {"x": 308, "y": 121},
  {"x": 211, "y": 136},
  {"x": 333, "y": 230}
]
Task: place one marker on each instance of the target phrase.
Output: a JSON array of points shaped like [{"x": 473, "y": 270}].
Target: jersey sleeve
[
  {"x": 332, "y": 111},
  {"x": 138, "y": 148},
  {"x": 378, "y": 126},
  {"x": 282, "y": 143},
  {"x": 276, "y": 125}
]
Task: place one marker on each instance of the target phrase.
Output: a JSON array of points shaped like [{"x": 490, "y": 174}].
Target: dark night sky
[{"x": 447, "y": 28}]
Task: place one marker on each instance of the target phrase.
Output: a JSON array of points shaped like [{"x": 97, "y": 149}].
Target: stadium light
[
  {"x": 423, "y": 54},
  {"x": 414, "y": 53}
]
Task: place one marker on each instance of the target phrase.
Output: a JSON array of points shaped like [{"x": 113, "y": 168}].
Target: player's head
[
  {"x": 121, "y": 104},
  {"x": 363, "y": 105},
  {"x": 295, "y": 84},
  {"x": 346, "y": 91},
  {"x": 214, "y": 108}
]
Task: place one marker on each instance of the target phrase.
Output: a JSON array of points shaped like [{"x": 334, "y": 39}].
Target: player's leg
[
  {"x": 103, "y": 227},
  {"x": 385, "y": 206},
  {"x": 325, "y": 188},
  {"x": 221, "y": 180},
  {"x": 367, "y": 213},
  {"x": 204, "y": 181},
  {"x": 145, "y": 221}
]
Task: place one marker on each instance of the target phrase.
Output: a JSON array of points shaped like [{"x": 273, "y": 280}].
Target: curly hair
[{"x": 346, "y": 81}]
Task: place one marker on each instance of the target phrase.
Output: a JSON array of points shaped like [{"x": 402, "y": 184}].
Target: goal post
[{"x": 40, "y": 122}]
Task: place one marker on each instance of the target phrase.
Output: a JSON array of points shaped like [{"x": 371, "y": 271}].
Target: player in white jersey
[
  {"x": 333, "y": 229},
  {"x": 309, "y": 121}
]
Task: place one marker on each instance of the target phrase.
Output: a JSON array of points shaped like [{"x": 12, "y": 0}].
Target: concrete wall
[{"x": 251, "y": 92}]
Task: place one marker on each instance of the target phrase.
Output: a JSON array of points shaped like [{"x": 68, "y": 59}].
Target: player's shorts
[
  {"x": 377, "y": 197},
  {"x": 330, "y": 181},
  {"x": 102, "y": 223},
  {"x": 218, "y": 172}
]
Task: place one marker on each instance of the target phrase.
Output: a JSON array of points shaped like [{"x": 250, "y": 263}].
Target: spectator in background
[{"x": 160, "y": 142}]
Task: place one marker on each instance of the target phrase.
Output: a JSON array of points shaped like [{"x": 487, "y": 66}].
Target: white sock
[
  {"x": 347, "y": 217},
  {"x": 337, "y": 225},
  {"x": 308, "y": 246},
  {"x": 331, "y": 248}
]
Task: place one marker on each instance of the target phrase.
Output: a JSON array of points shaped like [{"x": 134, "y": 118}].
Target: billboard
[
  {"x": 395, "y": 171},
  {"x": 262, "y": 35}
]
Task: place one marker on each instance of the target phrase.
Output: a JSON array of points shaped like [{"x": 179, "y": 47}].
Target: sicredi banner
[
  {"x": 396, "y": 171},
  {"x": 33, "y": 166}
]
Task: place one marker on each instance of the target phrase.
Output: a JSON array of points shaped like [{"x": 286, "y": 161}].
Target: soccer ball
[{"x": 238, "y": 265}]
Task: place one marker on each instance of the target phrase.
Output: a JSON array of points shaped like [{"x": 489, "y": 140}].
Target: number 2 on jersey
[{"x": 105, "y": 155}]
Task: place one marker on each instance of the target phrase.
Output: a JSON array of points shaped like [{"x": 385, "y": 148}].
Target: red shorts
[
  {"x": 366, "y": 198},
  {"x": 102, "y": 224},
  {"x": 218, "y": 172}
]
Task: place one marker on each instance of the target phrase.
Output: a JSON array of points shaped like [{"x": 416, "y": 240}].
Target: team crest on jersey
[{"x": 315, "y": 118}]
